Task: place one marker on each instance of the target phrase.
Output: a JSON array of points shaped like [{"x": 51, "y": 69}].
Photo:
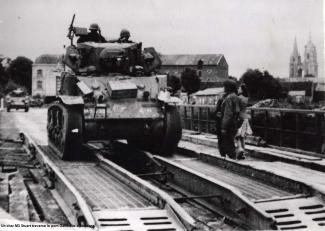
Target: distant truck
[
  {"x": 17, "y": 99},
  {"x": 36, "y": 102}
]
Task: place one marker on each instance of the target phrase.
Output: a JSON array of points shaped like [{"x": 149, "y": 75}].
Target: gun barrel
[{"x": 71, "y": 26}]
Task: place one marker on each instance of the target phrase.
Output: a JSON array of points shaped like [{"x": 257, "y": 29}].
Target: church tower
[
  {"x": 310, "y": 60},
  {"x": 295, "y": 66}
]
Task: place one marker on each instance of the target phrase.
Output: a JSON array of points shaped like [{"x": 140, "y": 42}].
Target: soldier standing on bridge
[{"x": 227, "y": 117}]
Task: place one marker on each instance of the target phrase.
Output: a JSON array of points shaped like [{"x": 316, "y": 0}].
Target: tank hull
[
  {"x": 117, "y": 129},
  {"x": 151, "y": 127}
]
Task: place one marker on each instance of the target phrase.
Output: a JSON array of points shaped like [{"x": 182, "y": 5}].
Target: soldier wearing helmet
[
  {"x": 124, "y": 36},
  {"x": 92, "y": 36}
]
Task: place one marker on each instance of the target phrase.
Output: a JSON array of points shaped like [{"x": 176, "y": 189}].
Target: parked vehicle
[
  {"x": 17, "y": 99},
  {"x": 36, "y": 102}
]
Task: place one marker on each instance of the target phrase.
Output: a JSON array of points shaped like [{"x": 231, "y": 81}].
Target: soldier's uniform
[
  {"x": 229, "y": 113},
  {"x": 92, "y": 36}
]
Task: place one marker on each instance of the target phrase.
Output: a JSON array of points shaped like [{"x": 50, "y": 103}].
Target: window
[
  {"x": 39, "y": 84},
  {"x": 39, "y": 73}
]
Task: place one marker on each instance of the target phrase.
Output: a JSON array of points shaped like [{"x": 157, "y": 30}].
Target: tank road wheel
[
  {"x": 65, "y": 130},
  {"x": 164, "y": 136},
  {"x": 165, "y": 142}
]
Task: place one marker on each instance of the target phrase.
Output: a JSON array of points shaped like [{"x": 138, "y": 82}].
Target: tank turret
[
  {"x": 112, "y": 92},
  {"x": 90, "y": 58}
]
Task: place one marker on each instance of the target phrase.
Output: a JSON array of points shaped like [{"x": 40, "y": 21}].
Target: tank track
[{"x": 65, "y": 127}]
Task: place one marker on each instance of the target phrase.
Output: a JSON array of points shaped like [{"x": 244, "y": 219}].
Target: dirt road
[{"x": 32, "y": 122}]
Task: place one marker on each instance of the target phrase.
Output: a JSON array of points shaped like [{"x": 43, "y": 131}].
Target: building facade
[
  {"x": 209, "y": 96},
  {"x": 210, "y": 67},
  {"x": 310, "y": 60},
  {"x": 308, "y": 68},
  {"x": 295, "y": 66},
  {"x": 46, "y": 72}
]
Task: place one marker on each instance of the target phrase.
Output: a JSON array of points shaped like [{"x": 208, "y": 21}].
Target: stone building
[
  {"x": 210, "y": 67},
  {"x": 310, "y": 60},
  {"x": 309, "y": 67},
  {"x": 295, "y": 66},
  {"x": 46, "y": 73}
]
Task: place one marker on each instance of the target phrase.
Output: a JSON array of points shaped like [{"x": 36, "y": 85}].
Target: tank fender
[{"x": 71, "y": 100}]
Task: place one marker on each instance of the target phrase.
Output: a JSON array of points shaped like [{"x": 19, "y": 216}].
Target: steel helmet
[
  {"x": 125, "y": 33},
  {"x": 94, "y": 26}
]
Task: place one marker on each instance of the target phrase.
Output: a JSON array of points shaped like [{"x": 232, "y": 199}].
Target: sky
[{"x": 250, "y": 33}]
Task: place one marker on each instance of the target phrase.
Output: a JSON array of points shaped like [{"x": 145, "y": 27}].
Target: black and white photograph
[{"x": 162, "y": 115}]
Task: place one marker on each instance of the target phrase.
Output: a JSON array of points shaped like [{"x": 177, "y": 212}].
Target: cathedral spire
[
  {"x": 295, "y": 48},
  {"x": 295, "y": 66}
]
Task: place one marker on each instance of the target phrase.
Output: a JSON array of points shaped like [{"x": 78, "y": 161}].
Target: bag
[{"x": 245, "y": 129}]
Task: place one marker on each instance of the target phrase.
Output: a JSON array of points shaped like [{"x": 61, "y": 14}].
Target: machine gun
[
  {"x": 78, "y": 31},
  {"x": 71, "y": 30}
]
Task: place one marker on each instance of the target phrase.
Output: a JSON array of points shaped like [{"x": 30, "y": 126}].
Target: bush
[{"x": 190, "y": 81}]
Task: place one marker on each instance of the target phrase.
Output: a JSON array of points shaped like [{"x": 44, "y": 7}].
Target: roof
[
  {"x": 208, "y": 59},
  {"x": 48, "y": 59},
  {"x": 209, "y": 91}
]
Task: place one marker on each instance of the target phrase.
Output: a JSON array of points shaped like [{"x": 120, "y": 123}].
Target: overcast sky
[{"x": 250, "y": 33}]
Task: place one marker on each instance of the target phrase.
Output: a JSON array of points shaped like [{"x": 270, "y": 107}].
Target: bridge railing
[
  {"x": 198, "y": 118},
  {"x": 293, "y": 128}
]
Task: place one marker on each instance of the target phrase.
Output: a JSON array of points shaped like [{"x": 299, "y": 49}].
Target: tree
[
  {"x": 2, "y": 74},
  {"x": 174, "y": 82},
  {"x": 190, "y": 81},
  {"x": 10, "y": 86},
  {"x": 20, "y": 70},
  {"x": 262, "y": 85}
]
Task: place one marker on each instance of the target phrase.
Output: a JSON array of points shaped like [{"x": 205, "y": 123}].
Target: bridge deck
[
  {"x": 251, "y": 188},
  {"x": 292, "y": 171},
  {"x": 101, "y": 190}
]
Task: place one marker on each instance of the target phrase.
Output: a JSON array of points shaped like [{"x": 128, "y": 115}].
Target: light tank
[{"x": 111, "y": 92}]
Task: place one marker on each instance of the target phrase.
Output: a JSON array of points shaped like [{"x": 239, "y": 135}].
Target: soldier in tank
[
  {"x": 124, "y": 36},
  {"x": 92, "y": 36}
]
